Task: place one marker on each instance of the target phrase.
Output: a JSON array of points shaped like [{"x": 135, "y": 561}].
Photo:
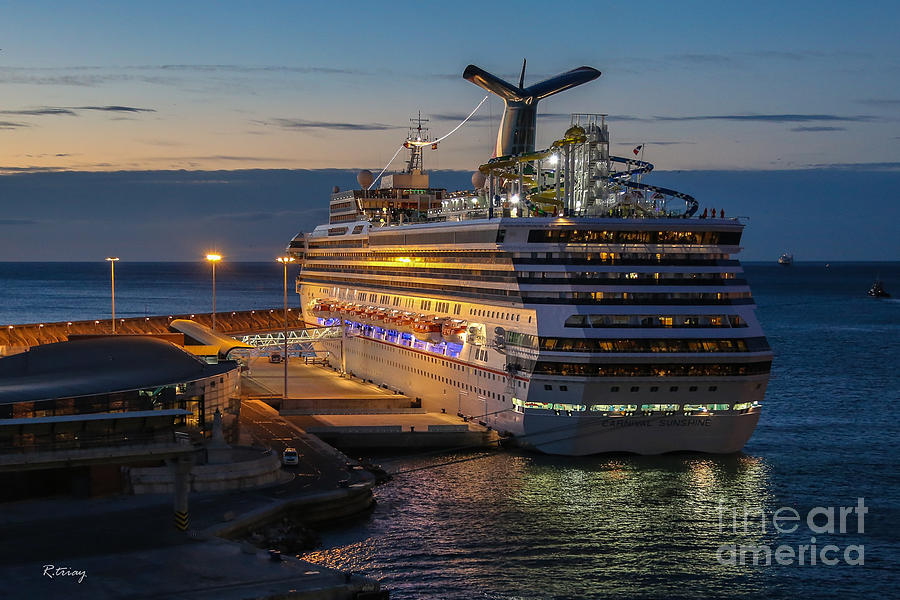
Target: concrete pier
[{"x": 352, "y": 414}]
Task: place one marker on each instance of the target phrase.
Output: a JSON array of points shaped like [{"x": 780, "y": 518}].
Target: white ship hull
[
  {"x": 654, "y": 434},
  {"x": 486, "y": 395}
]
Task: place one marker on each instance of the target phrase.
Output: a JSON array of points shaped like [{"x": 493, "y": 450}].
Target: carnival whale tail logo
[{"x": 517, "y": 128}]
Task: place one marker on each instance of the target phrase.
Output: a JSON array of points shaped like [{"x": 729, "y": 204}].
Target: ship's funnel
[{"x": 516, "y": 133}]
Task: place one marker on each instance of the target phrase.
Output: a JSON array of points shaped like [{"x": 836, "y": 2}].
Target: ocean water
[
  {"x": 38, "y": 292},
  {"x": 519, "y": 525}
]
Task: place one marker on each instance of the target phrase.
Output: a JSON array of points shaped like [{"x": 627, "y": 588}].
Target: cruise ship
[{"x": 563, "y": 301}]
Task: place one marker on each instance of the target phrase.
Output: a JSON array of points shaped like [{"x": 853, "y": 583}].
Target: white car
[{"x": 290, "y": 456}]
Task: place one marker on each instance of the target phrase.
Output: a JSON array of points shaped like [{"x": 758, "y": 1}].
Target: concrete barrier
[
  {"x": 356, "y": 429},
  {"x": 447, "y": 428},
  {"x": 210, "y": 478}
]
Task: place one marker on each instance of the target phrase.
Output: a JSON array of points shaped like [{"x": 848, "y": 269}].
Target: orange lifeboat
[
  {"x": 454, "y": 331},
  {"x": 427, "y": 329},
  {"x": 379, "y": 317},
  {"x": 404, "y": 322},
  {"x": 321, "y": 309},
  {"x": 350, "y": 311},
  {"x": 391, "y": 318}
]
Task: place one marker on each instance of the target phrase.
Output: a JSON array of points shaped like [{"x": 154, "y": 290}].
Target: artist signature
[{"x": 52, "y": 571}]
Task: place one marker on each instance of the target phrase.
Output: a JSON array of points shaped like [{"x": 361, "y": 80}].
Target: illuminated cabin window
[
  {"x": 660, "y": 407},
  {"x": 651, "y": 369},
  {"x": 743, "y": 406},
  {"x": 614, "y": 408},
  {"x": 570, "y": 407},
  {"x": 705, "y": 407}
]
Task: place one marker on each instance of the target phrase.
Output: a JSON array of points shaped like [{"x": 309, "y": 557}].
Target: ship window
[
  {"x": 575, "y": 321},
  {"x": 674, "y": 388},
  {"x": 693, "y": 388},
  {"x": 713, "y": 388},
  {"x": 614, "y": 388},
  {"x": 654, "y": 388},
  {"x": 635, "y": 388}
]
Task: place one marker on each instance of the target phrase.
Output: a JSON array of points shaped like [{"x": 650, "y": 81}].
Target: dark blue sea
[
  {"x": 38, "y": 292},
  {"x": 518, "y": 525}
]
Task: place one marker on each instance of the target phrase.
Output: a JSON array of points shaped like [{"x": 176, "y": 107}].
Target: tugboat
[
  {"x": 877, "y": 290},
  {"x": 786, "y": 259}
]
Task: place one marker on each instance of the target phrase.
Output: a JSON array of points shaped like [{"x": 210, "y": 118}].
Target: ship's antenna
[{"x": 417, "y": 135}]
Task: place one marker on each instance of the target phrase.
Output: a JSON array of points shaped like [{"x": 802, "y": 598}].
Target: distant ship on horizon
[{"x": 786, "y": 259}]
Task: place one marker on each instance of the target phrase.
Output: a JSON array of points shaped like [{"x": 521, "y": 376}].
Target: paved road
[{"x": 312, "y": 381}]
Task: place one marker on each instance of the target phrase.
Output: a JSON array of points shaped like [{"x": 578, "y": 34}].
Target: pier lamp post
[
  {"x": 214, "y": 258},
  {"x": 112, "y": 281},
  {"x": 285, "y": 260}
]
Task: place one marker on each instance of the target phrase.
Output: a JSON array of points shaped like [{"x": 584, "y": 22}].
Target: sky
[
  {"x": 229, "y": 85},
  {"x": 260, "y": 101}
]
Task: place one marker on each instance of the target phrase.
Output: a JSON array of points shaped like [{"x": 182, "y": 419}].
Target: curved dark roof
[{"x": 98, "y": 366}]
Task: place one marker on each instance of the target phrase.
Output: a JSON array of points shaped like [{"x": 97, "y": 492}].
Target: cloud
[
  {"x": 481, "y": 118},
  {"x": 304, "y": 124},
  {"x": 11, "y": 125},
  {"x": 223, "y": 157},
  {"x": 37, "y": 112},
  {"x": 177, "y": 75},
  {"x": 257, "y": 216},
  {"x": 868, "y": 166},
  {"x": 775, "y": 118},
  {"x": 818, "y": 128},
  {"x": 7, "y": 170},
  {"x": 704, "y": 59},
  {"x": 14, "y": 222},
  {"x": 71, "y": 111},
  {"x": 116, "y": 109},
  {"x": 881, "y": 102},
  {"x": 256, "y": 69}
]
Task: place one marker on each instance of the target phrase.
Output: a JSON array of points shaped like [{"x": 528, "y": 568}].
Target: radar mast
[{"x": 417, "y": 133}]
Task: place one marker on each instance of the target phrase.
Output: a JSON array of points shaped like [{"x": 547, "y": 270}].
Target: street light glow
[
  {"x": 213, "y": 259},
  {"x": 285, "y": 259},
  {"x": 112, "y": 258}
]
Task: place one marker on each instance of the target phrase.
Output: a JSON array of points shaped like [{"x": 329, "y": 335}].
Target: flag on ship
[{"x": 637, "y": 150}]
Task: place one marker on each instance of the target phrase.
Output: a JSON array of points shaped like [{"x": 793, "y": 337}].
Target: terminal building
[{"x": 73, "y": 413}]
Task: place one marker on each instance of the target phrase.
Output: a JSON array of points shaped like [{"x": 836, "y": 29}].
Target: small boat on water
[
  {"x": 877, "y": 290},
  {"x": 786, "y": 259}
]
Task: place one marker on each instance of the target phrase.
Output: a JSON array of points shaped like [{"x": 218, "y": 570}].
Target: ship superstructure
[{"x": 562, "y": 301}]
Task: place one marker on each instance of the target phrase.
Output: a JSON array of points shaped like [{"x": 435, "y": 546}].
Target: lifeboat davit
[
  {"x": 404, "y": 322},
  {"x": 321, "y": 309},
  {"x": 379, "y": 317},
  {"x": 350, "y": 312},
  {"x": 391, "y": 318},
  {"x": 428, "y": 329},
  {"x": 454, "y": 331}
]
